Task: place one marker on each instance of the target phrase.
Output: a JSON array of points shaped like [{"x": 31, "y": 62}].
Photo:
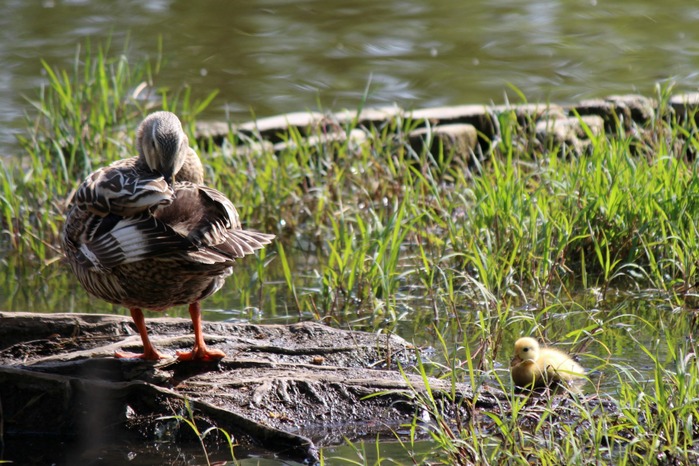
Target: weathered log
[{"x": 280, "y": 387}]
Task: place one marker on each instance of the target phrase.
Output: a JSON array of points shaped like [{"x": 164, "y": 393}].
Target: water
[{"x": 273, "y": 56}]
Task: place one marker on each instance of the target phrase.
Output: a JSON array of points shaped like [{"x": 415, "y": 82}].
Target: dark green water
[{"x": 272, "y": 56}]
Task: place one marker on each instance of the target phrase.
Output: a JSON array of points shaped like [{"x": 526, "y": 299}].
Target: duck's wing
[
  {"x": 107, "y": 242},
  {"x": 110, "y": 221},
  {"x": 210, "y": 221},
  {"x": 123, "y": 191},
  {"x": 227, "y": 234}
]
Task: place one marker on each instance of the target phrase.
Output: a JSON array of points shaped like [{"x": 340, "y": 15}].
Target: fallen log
[{"x": 284, "y": 388}]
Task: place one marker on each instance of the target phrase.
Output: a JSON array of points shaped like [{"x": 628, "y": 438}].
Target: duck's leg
[
  {"x": 149, "y": 353},
  {"x": 200, "y": 352}
]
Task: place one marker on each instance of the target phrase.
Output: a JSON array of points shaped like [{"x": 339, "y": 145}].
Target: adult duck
[{"x": 145, "y": 233}]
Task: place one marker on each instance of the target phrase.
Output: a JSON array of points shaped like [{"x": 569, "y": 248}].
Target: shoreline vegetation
[{"x": 573, "y": 224}]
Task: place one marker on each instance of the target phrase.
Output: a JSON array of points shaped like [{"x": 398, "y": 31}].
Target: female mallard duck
[
  {"x": 534, "y": 366},
  {"x": 144, "y": 233}
]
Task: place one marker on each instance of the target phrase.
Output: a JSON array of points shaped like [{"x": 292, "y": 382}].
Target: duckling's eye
[{"x": 525, "y": 349}]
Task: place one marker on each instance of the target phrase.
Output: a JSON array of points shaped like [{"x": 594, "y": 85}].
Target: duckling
[
  {"x": 533, "y": 366},
  {"x": 145, "y": 233}
]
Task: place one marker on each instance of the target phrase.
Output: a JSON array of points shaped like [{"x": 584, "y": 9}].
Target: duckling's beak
[{"x": 516, "y": 360}]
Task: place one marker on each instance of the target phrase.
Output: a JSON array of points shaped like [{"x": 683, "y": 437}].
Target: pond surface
[{"x": 273, "y": 56}]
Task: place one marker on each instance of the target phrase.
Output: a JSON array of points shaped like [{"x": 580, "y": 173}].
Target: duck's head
[
  {"x": 526, "y": 349},
  {"x": 162, "y": 143}
]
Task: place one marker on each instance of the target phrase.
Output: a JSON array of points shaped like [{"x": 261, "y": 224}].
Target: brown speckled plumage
[{"x": 145, "y": 233}]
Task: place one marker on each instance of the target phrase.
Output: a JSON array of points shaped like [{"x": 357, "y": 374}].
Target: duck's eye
[{"x": 525, "y": 349}]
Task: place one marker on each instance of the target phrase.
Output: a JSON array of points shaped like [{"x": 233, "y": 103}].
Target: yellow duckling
[{"x": 534, "y": 366}]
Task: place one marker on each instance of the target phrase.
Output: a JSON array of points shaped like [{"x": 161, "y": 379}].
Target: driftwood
[{"x": 282, "y": 388}]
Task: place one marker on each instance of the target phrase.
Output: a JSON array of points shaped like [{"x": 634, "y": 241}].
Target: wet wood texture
[{"x": 282, "y": 388}]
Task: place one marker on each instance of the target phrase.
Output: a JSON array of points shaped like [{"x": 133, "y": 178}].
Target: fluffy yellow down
[{"x": 533, "y": 366}]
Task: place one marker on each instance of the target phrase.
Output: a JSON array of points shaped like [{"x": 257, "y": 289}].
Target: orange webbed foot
[{"x": 201, "y": 354}]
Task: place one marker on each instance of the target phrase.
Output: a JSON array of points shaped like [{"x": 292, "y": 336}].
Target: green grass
[
  {"x": 597, "y": 253},
  {"x": 188, "y": 420}
]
